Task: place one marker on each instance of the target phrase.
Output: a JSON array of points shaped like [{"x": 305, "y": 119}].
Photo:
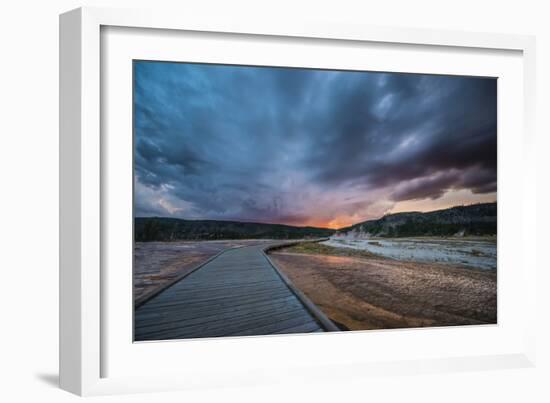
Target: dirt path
[{"x": 371, "y": 293}]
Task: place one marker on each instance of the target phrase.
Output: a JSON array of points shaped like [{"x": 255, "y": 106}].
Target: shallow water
[{"x": 472, "y": 253}]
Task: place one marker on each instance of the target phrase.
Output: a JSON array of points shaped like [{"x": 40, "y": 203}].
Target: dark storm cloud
[
  {"x": 408, "y": 126},
  {"x": 431, "y": 187},
  {"x": 273, "y": 144}
]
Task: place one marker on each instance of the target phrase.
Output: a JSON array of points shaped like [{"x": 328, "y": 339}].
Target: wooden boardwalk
[{"x": 238, "y": 293}]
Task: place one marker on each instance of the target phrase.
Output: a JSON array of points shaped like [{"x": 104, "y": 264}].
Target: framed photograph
[{"x": 245, "y": 202}]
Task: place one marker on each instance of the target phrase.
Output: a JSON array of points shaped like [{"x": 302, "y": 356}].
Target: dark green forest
[
  {"x": 174, "y": 229},
  {"x": 473, "y": 220}
]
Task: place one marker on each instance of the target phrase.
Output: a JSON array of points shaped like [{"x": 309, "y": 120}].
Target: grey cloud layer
[{"x": 277, "y": 144}]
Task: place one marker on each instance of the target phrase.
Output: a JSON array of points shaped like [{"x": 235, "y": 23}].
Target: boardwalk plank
[
  {"x": 224, "y": 289},
  {"x": 236, "y": 294},
  {"x": 221, "y": 327},
  {"x": 227, "y": 298},
  {"x": 273, "y": 327},
  {"x": 221, "y": 313}
]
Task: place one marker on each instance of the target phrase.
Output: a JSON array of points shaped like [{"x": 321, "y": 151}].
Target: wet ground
[
  {"x": 479, "y": 253},
  {"x": 362, "y": 292}
]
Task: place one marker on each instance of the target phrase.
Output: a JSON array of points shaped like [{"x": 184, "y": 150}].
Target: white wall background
[{"x": 29, "y": 201}]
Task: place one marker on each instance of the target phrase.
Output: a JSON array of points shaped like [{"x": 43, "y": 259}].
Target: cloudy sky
[{"x": 308, "y": 147}]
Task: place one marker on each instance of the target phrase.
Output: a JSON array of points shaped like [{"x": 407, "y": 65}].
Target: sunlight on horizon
[{"x": 451, "y": 198}]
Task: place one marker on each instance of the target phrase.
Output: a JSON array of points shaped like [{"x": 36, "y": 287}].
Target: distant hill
[
  {"x": 175, "y": 229},
  {"x": 476, "y": 219}
]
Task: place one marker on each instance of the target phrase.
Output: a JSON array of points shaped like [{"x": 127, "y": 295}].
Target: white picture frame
[{"x": 83, "y": 177}]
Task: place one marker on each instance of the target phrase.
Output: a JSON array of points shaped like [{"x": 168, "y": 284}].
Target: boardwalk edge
[{"x": 319, "y": 316}]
